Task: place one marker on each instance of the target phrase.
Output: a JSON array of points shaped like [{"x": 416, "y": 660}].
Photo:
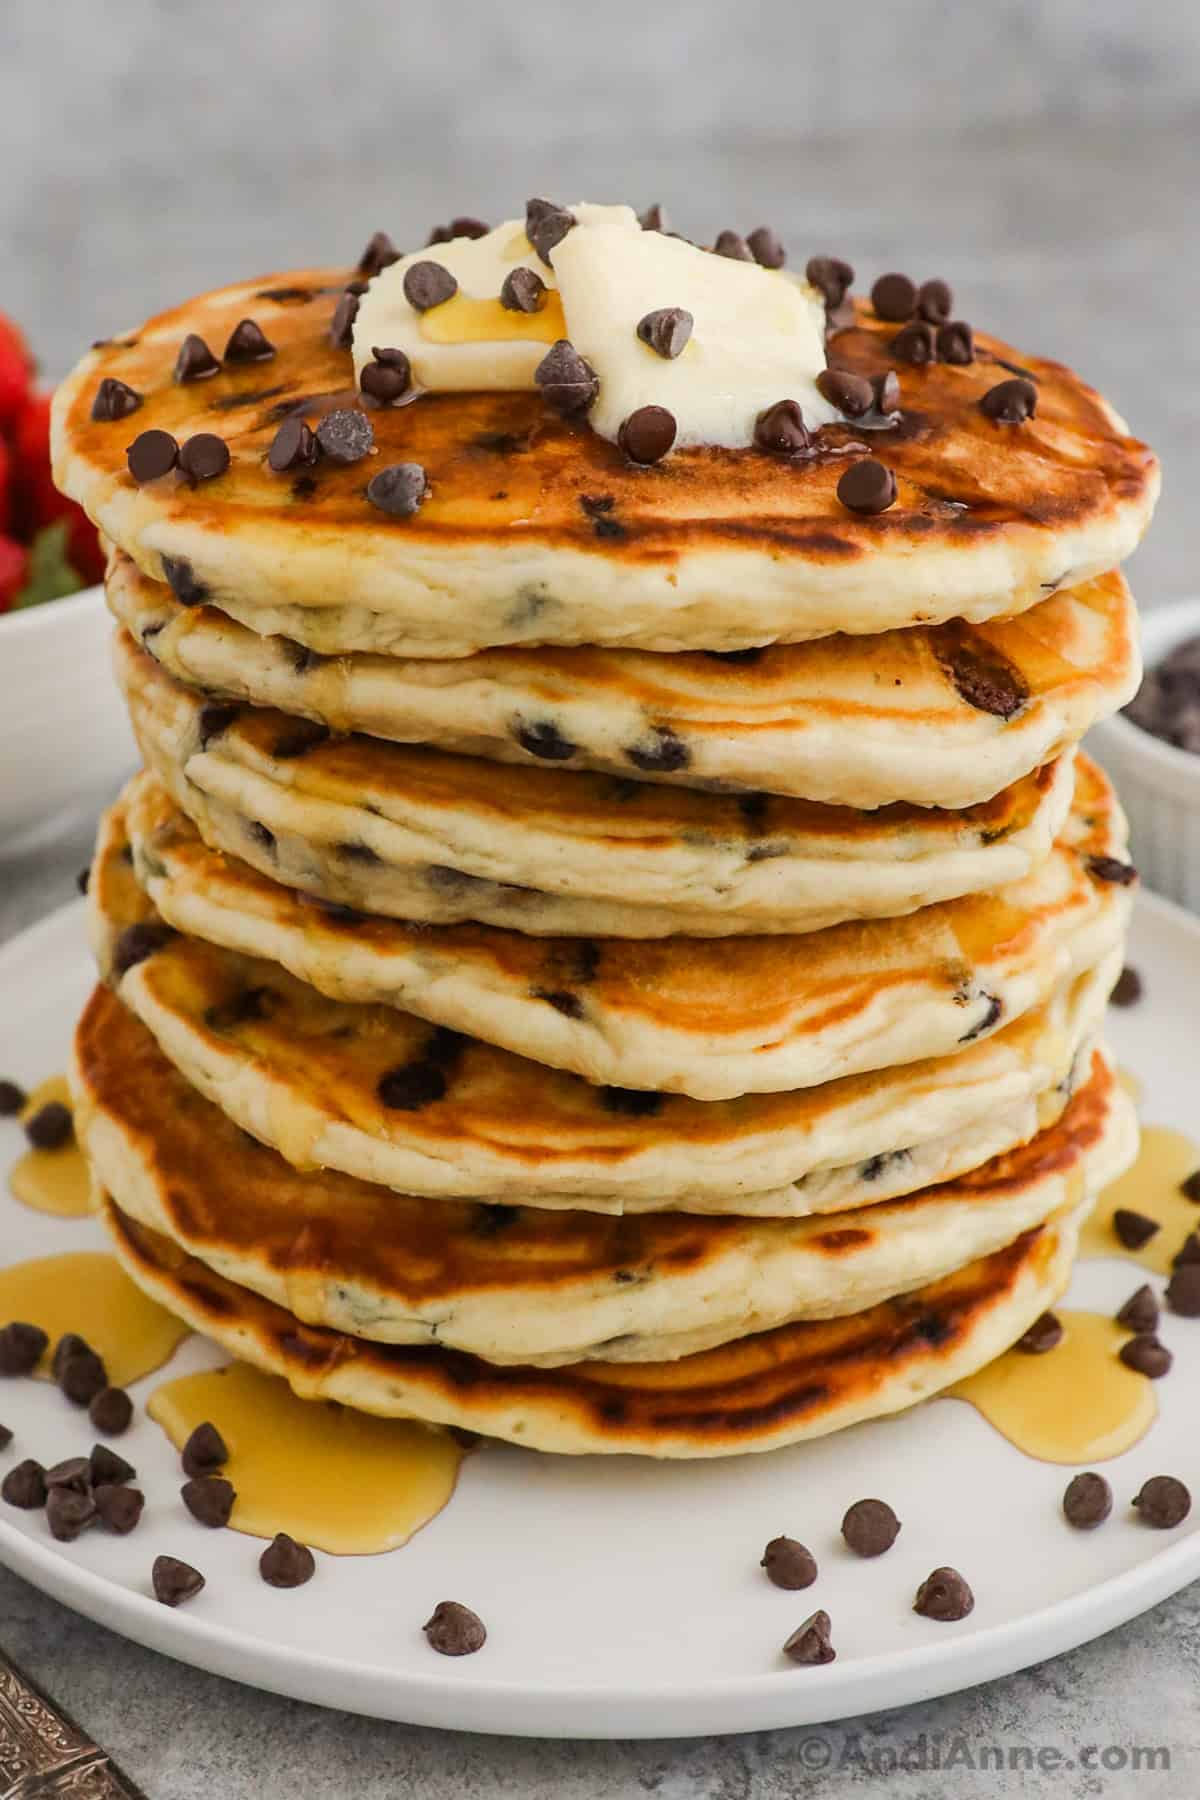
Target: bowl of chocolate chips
[{"x": 1152, "y": 752}]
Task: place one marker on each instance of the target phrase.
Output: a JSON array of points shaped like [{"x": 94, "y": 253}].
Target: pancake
[
  {"x": 515, "y": 1284},
  {"x": 713, "y": 1020},
  {"x": 538, "y": 531},
  {"x": 779, "y": 1387},
  {"x": 430, "y": 837},
  {"x": 934, "y": 716}
]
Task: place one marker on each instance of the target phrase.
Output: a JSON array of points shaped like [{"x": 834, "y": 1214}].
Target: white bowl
[
  {"x": 1158, "y": 784},
  {"x": 65, "y": 743}
]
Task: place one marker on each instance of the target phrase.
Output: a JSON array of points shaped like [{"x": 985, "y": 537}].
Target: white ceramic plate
[{"x": 623, "y": 1598}]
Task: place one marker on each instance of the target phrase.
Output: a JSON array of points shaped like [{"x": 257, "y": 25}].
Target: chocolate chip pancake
[
  {"x": 433, "y": 838},
  {"x": 942, "y": 715},
  {"x": 515, "y": 1284},
  {"x": 778, "y": 1387},
  {"x": 530, "y": 528}
]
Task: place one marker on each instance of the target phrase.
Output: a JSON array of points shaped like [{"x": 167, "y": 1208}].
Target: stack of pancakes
[{"x": 616, "y": 959}]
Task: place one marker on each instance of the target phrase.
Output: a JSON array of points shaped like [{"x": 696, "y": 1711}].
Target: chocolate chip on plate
[
  {"x": 379, "y": 254},
  {"x": 75, "y": 1472},
  {"x": 852, "y": 394},
  {"x": 1163, "y": 1502},
  {"x": 789, "y": 1564},
  {"x": 894, "y": 297},
  {"x": 399, "y": 489},
  {"x": 69, "y": 1513},
  {"x": 955, "y": 342},
  {"x": 1133, "y": 1229},
  {"x": 6, "y": 1437},
  {"x": 248, "y": 343},
  {"x": 781, "y": 430},
  {"x": 1190, "y": 1188},
  {"x": 567, "y": 380},
  {"x": 51, "y": 1126},
  {"x": 1010, "y": 402},
  {"x": 944, "y": 1595},
  {"x": 205, "y": 1451},
  {"x": 285, "y": 1563},
  {"x": 114, "y": 400},
  {"x": 1140, "y": 1311},
  {"x": 831, "y": 277},
  {"x": 1044, "y": 1334},
  {"x": 204, "y": 457},
  {"x": 25, "y": 1485},
  {"x": 1127, "y": 992},
  {"x": 345, "y": 435},
  {"x": 69, "y": 1344},
  {"x": 107, "y": 1469},
  {"x": 454, "y": 1630},
  {"x": 810, "y": 1644},
  {"x": 209, "y": 1498},
  {"x": 294, "y": 446},
  {"x": 1188, "y": 1251},
  {"x": 916, "y": 343},
  {"x": 21, "y": 1347},
  {"x": 174, "y": 1581},
  {"x": 647, "y": 434},
  {"x": 12, "y": 1099},
  {"x": 935, "y": 302},
  {"x": 428, "y": 284},
  {"x": 867, "y": 487},
  {"x": 733, "y": 245},
  {"x": 1183, "y": 1291},
  {"x": 118, "y": 1509},
  {"x": 765, "y": 247},
  {"x": 388, "y": 378},
  {"x": 666, "y": 330},
  {"x": 523, "y": 291},
  {"x": 1087, "y": 1501},
  {"x": 870, "y": 1527},
  {"x": 195, "y": 361},
  {"x": 151, "y": 455},
  {"x": 1146, "y": 1356},
  {"x": 81, "y": 1377},
  {"x": 84, "y": 879}
]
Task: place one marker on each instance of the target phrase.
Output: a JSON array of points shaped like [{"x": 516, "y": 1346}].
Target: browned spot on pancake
[{"x": 848, "y": 1237}]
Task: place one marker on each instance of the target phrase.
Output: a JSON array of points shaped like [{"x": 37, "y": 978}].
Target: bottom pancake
[{"x": 778, "y": 1387}]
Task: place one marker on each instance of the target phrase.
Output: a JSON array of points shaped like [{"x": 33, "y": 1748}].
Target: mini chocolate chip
[
  {"x": 1146, "y": 1356},
  {"x": 209, "y": 1498},
  {"x": 980, "y": 673},
  {"x": 789, "y": 1564},
  {"x": 851, "y": 394},
  {"x": 114, "y": 400},
  {"x": 399, "y": 489},
  {"x": 546, "y": 225},
  {"x": 195, "y": 361},
  {"x": 630, "y": 1103},
  {"x": 341, "y": 326},
  {"x": 1188, "y": 1251},
  {"x": 204, "y": 457},
  {"x": 733, "y": 245},
  {"x": 935, "y": 302},
  {"x": 379, "y": 254},
  {"x": 136, "y": 943},
  {"x": 1010, "y": 402},
  {"x": 568, "y": 382},
  {"x": 1140, "y": 1311},
  {"x": 21, "y": 1347},
  {"x": 1190, "y": 1188},
  {"x": 345, "y": 435},
  {"x": 944, "y": 1595},
  {"x": 1046, "y": 1333},
  {"x": 151, "y": 455},
  {"x": 666, "y": 330},
  {"x": 111, "y": 1411},
  {"x": 831, "y": 277},
  {"x": 68, "y": 1513},
  {"x": 388, "y": 378},
  {"x": 916, "y": 344},
  {"x": 455, "y": 1630},
  {"x": 463, "y": 227},
  {"x": 955, "y": 342},
  {"x": 12, "y": 1099},
  {"x": 205, "y": 1451},
  {"x": 75, "y": 1472},
  {"x": 285, "y": 1563},
  {"x": 766, "y": 248},
  {"x": 1127, "y": 992},
  {"x": 568, "y": 1004},
  {"x": 647, "y": 434},
  {"x": 70, "y": 1344},
  {"x": 662, "y": 754},
  {"x": 1087, "y": 1501},
  {"x": 1163, "y": 1502},
  {"x": 1112, "y": 870},
  {"x": 523, "y": 291},
  {"x": 653, "y": 219},
  {"x": 867, "y": 487},
  {"x": 183, "y": 581},
  {"x": 545, "y": 741},
  {"x": 781, "y": 429},
  {"x": 810, "y": 1644},
  {"x": 248, "y": 344},
  {"x": 25, "y": 1485},
  {"x": 83, "y": 880},
  {"x": 215, "y": 719},
  {"x": 887, "y": 392},
  {"x": 301, "y": 736},
  {"x": 294, "y": 446},
  {"x": 1183, "y": 1291},
  {"x": 428, "y": 284},
  {"x": 51, "y": 1126},
  {"x": 894, "y": 297},
  {"x": 82, "y": 1377},
  {"x": 1133, "y": 1229},
  {"x": 870, "y": 1527},
  {"x": 411, "y": 1086},
  {"x": 107, "y": 1469},
  {"x": 174, "y": 1581},
  {"x": 6, "y": 1437},
  {"x": 118, "y": 1509}
]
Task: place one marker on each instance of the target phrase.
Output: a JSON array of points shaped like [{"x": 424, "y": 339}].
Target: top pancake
[{"x": 538, "y": 531}]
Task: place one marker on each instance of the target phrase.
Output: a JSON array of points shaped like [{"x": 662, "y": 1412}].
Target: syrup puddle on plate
[
  {"x": 88, "y": 1292},
  {"x": 52, "y": 1181},
  {"x": 1152, "y": 1187}
]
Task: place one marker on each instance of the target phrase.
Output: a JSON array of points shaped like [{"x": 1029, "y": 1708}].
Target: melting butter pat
[{"x": 758, "y": 336}]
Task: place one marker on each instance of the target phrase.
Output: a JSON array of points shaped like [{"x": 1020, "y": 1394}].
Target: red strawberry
[
  {"x": 5, "y": 485},
  {"x": 40, "y": 501},
  {"x": 16, "y": 373},
  {"x": 14, "y": 565},
  {"x": 83, "y": 547}
]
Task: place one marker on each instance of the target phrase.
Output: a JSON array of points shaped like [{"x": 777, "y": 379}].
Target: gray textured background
[{"x": 1043, "y": 157}]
